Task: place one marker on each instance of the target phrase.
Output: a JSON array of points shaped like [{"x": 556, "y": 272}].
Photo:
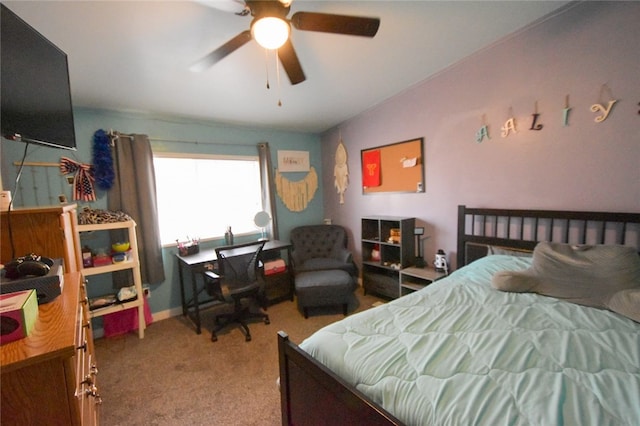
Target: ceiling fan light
[{"x": 270, "y": 32}]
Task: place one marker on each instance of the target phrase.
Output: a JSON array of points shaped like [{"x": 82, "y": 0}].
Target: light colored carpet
[{"x": 176, "y": 377}]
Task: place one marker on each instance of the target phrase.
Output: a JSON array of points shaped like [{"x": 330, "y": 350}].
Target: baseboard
[{"x": 166, "y": 314}]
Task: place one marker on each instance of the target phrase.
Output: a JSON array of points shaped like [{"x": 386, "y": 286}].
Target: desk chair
[{"x": 238, "y": 279}]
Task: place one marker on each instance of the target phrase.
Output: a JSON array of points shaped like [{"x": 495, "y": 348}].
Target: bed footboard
[{"x": 311, "y": 394}]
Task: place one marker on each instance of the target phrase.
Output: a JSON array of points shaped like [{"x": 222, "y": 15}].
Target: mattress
[{"x": 460, "y": 352}]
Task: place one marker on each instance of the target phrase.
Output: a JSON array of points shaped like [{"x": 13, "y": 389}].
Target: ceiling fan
[{"x": 274, "y": 12}]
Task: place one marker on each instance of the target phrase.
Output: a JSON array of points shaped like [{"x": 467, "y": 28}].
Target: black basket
[{"x": 189, "y": 250}]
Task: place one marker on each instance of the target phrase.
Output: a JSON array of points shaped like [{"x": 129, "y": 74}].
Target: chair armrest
[
  {"x": 346, "y": 256},
  {"x": 295, "y": 259}
]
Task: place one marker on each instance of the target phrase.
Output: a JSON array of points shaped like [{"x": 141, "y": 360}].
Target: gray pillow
[{"x": 600, "y": 276}]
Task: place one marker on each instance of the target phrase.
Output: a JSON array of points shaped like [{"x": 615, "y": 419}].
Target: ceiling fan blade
[
  {"x": 337, "y": 24},
  {"x": 222, "y": 51},
  {"x": 290, "y": 63}
]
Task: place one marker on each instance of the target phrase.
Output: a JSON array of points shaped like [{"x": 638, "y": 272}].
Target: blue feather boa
[{"x": 102, "y": 160}]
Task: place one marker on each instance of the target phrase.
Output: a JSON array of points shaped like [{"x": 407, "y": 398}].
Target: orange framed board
[{"x": 397, "y": 167}]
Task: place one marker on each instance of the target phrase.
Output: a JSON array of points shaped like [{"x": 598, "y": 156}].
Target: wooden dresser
[
  {"x": 45, "y": 231},
  {"x": 50, "y": 376}
]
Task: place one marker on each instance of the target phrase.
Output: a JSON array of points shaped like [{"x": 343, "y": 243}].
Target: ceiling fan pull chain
[
  {"x": 278, "y": 80},
  {"x": 266, "y": 66}
]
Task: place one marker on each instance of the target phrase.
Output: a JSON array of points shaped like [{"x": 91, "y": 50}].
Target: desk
[{"x": 278, "y": 287}]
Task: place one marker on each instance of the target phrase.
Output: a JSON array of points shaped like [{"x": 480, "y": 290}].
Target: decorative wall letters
[
  {"x": 509, "y": 125},
  {"x": 535, "y": 115},
  {"x": 565, "y": 112},
  {"x": 484, "y": 130},
  {"x": 605, "y": 111},
  {"x": 535, "y": 126},
  {"x": 598, "y": 107},
  {"x": 601, "y": 107},
  {"x": 482, "y": 133}
]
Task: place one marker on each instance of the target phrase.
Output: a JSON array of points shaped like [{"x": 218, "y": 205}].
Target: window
[{"x": 200, "y": 195}]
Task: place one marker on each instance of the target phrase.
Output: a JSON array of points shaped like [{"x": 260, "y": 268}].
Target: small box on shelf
[
  {"x": 394, "y": 236},
  {"x": 18, "y": 313},
  {"x": 274, "y": 267},
  {"x": 101, "y": 260}
]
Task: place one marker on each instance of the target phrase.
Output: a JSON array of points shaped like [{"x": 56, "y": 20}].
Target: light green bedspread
[{"x": 462, "y": 353}]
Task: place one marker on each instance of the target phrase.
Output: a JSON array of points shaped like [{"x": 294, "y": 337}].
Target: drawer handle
[
  {"x": 93, "y": 392},
  {"x": 83, "y": 346}
]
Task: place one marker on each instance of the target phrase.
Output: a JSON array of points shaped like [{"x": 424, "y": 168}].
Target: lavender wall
[{"x": 584, "y": 166}]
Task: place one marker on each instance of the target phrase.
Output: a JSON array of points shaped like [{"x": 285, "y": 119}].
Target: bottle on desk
[{"x": 228, "y": 237}]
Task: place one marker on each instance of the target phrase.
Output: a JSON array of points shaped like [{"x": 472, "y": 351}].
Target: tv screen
[{"x": 36, "y": 95}]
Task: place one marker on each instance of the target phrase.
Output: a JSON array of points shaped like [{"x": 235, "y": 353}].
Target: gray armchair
[
  {"x": 321, "y": 247},
  {"x": 324, "y": 271}
]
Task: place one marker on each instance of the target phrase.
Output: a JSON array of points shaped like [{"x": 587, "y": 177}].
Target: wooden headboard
[{"x": 479, "y": 228}]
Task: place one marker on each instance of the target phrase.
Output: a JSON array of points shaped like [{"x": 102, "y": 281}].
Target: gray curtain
[
  {"x": 134, "y": 192},
  {"x": 266, "y": 182}
]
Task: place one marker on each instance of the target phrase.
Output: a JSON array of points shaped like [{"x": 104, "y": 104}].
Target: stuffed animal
[{"x": 601, "y": 276}]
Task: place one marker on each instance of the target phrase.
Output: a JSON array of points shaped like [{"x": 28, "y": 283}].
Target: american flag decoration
[{"x": 82, "y": 179}]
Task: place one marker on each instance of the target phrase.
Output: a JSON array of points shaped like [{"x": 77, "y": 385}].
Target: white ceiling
[{"x": 135, "y": 55}]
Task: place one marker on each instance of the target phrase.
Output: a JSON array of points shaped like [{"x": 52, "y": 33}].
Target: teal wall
[{"x": 40, "y": 186}]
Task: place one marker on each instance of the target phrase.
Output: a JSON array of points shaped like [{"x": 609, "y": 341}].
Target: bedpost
[
  {"x": 311, "y": 394},
  {"x": 460, "y": 261},
  {"x": 283, "y": 339}
]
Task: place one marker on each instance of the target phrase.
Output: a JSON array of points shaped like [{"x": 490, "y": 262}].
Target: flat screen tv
[{"x": 36, "y": 94}]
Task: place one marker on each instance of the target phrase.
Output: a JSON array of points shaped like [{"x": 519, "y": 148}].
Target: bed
[{"x": 461, "y": 352}]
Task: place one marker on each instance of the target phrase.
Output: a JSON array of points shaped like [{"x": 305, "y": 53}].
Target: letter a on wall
[{"x": 371, "y": 168}]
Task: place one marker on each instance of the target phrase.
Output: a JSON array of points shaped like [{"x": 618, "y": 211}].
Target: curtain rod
[
  {"x": 156, "y": 139},
  {"x": 112, "y": 134}
]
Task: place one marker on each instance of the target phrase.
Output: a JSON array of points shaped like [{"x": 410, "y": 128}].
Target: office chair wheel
[
  {"x": 247, "y": 338},
  {"x": 214, "y": 338},
  {"x": 266, "y": 320}
]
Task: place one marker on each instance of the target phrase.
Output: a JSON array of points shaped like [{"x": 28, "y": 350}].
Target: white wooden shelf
[
  {"x": 120, "y": 266},
  {"x": 116, "y": 307},
  {"x": 133, "y": 264},
  {"x": 107, "y": 226}
]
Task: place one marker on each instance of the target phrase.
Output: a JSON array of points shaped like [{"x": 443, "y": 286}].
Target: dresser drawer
[
  {"x": 43, "y": 375},
  {"x": 87, "y": 393}
]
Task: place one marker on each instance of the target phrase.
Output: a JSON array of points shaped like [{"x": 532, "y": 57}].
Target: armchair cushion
[{"x": 321, "y": 247}]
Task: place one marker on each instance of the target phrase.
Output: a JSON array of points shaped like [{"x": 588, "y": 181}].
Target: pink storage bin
[{"x": 126, "y": 321}]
